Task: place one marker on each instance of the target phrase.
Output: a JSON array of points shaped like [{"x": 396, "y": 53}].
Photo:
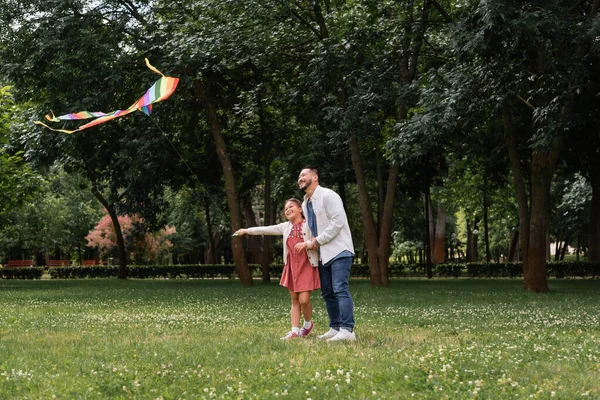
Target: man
[{"x": 326, "y": 217}]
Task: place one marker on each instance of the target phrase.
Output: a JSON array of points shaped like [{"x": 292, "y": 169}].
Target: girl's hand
[
  {"x": 240, "y": 232},
  {"x": 300, "y": 246}
]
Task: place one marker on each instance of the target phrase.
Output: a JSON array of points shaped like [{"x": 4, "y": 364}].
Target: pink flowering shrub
[{"x": 142, "y": 246}]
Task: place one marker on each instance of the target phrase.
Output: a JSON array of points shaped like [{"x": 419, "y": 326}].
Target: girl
[{"x": 300, "y": 273}]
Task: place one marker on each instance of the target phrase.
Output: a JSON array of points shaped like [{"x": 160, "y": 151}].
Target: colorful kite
[{"x": 161, "y": 90}]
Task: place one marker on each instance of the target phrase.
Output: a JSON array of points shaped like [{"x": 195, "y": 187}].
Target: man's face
[{"x": 305, "y": 179}]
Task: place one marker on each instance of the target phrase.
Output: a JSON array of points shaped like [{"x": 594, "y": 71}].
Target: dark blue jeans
[{"x": 335, "y": 292}]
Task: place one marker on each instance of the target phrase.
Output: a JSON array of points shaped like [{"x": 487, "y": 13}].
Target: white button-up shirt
[{"x": 332, "y": 223}]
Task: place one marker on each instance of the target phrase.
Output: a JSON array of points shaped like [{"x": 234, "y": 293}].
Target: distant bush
[
  {"x": 146, "y": 271},
  {"x": 558, "y": 269},
  {"x": 22, "y": 272}
]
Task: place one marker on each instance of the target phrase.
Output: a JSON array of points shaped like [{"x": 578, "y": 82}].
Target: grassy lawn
[{"x": 139, "y": 339}]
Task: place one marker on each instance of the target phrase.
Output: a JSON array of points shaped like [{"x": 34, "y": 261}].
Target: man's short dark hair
[{"x": 312, "y": 170}]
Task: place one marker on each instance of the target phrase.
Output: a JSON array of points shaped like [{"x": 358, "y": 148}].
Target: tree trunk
[
  {"x": 470, "y": 228},
  {"x": 79, "y": 258},
  {"x": 211, "y": 253},
  {"x": 557, "y": 249},
  {"x": 513, "y": 248},
  {"x": 534, "y": 222},
  {"x": 239, "y": 257},
  {"x": 254, "y": 242},
  {"x": 118, "y": 233},
  {"x": 427, "y": 238},
  {"x": 431, "y": 227},
  {"x": 385, "y": 234},
  {"x": 535, "y": 274},
  {"x": 594, "y": 227},
  {"x": 439, "y": 245},
  {"x": 488, "y": 254},
  {"x": 380, "y": 189},
  {"x": 475, "y": 242},
  {"x": 564, "y": 248},
  {"x": 369, "y": 226},
  {"x": 548, "y": 258},
  {"x": 378, "y": 242},
  {"x": 267, "y": 240}
]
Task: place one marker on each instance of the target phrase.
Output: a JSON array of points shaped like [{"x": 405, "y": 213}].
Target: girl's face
[{"x": 292, "y": 211}]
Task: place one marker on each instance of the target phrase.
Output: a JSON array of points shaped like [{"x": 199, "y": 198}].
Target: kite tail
[{"x": 53, "y": 129}]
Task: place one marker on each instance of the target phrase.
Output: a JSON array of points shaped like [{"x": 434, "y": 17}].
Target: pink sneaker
[
  {"x": 304, "y": 331},
  {"x": 290, "y": 335}
]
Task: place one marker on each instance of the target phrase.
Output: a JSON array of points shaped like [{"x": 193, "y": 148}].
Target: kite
[{"x": 161, "y": 90}]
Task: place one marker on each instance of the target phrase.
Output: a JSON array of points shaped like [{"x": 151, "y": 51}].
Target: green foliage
[
  {"x": 56, "y": 217},
  {"x": 184, "y": 211},
  {"x": 559, "y": 269},
  {"x": 22, "y": 273},
  {"x": 291, "y": 82},
  {"x": 17, "y": 181},
  {"x": 570, "y": 216}
]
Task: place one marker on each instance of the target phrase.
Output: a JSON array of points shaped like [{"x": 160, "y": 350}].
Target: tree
[
  {"x": 520, "y": 66},
  {"x": 92, "y": 44},
  {"x": 17, "y": 181},
  {"x": 143, "y": 246},
  {"x": 352, "y": 61},
  {"x": 570, "y": 216}
]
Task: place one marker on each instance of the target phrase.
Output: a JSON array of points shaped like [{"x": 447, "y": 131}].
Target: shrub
[
  {"x": 22, "y": 273},
  {"x": 560, "y": 269}
]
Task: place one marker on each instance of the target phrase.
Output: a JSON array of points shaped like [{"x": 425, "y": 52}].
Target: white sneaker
[
  {"x": 343, "y": 334},
  {"x": 329, "y": 334}
]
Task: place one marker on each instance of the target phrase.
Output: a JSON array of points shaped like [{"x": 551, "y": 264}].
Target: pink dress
[{"x": 298, "y": 275}]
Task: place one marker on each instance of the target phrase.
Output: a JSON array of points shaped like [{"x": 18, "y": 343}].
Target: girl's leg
[
  {"x": 305, "y": 305},
  {"x": 307, "y": 310},
  {"x": 295, "y": 315},
  {"x": 295, "y": 311}
]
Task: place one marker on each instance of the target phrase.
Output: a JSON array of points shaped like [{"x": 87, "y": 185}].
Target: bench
[
  {"x": 58, "y": 263},
  {"x": 87, "y": 263},
  {"x": 19, "y": 263}
]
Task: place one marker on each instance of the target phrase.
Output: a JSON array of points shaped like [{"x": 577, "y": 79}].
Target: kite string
[{"x": 192, "y": 172}]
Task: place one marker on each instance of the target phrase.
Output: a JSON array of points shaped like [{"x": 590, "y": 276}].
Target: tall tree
[
  {"x": 353, "y": 60},
  {"x": 503, "y": 56},
  {"x": 90, "y": 44}
]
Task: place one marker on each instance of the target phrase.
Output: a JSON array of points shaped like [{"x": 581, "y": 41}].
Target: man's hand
[{"x": 300, "y": 246}]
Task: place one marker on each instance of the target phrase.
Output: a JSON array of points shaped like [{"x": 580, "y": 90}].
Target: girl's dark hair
[
  {"x": 297, "y": 202},
  {"x": 294, "y": 200}
]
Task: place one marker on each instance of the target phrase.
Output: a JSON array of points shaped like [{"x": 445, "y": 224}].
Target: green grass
[{"x": 91, "y": 339}]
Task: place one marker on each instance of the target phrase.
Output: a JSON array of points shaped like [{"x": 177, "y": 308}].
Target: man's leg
[
  {"x": 340, "y": 277},
  {"x": 331, "y": 303}
]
